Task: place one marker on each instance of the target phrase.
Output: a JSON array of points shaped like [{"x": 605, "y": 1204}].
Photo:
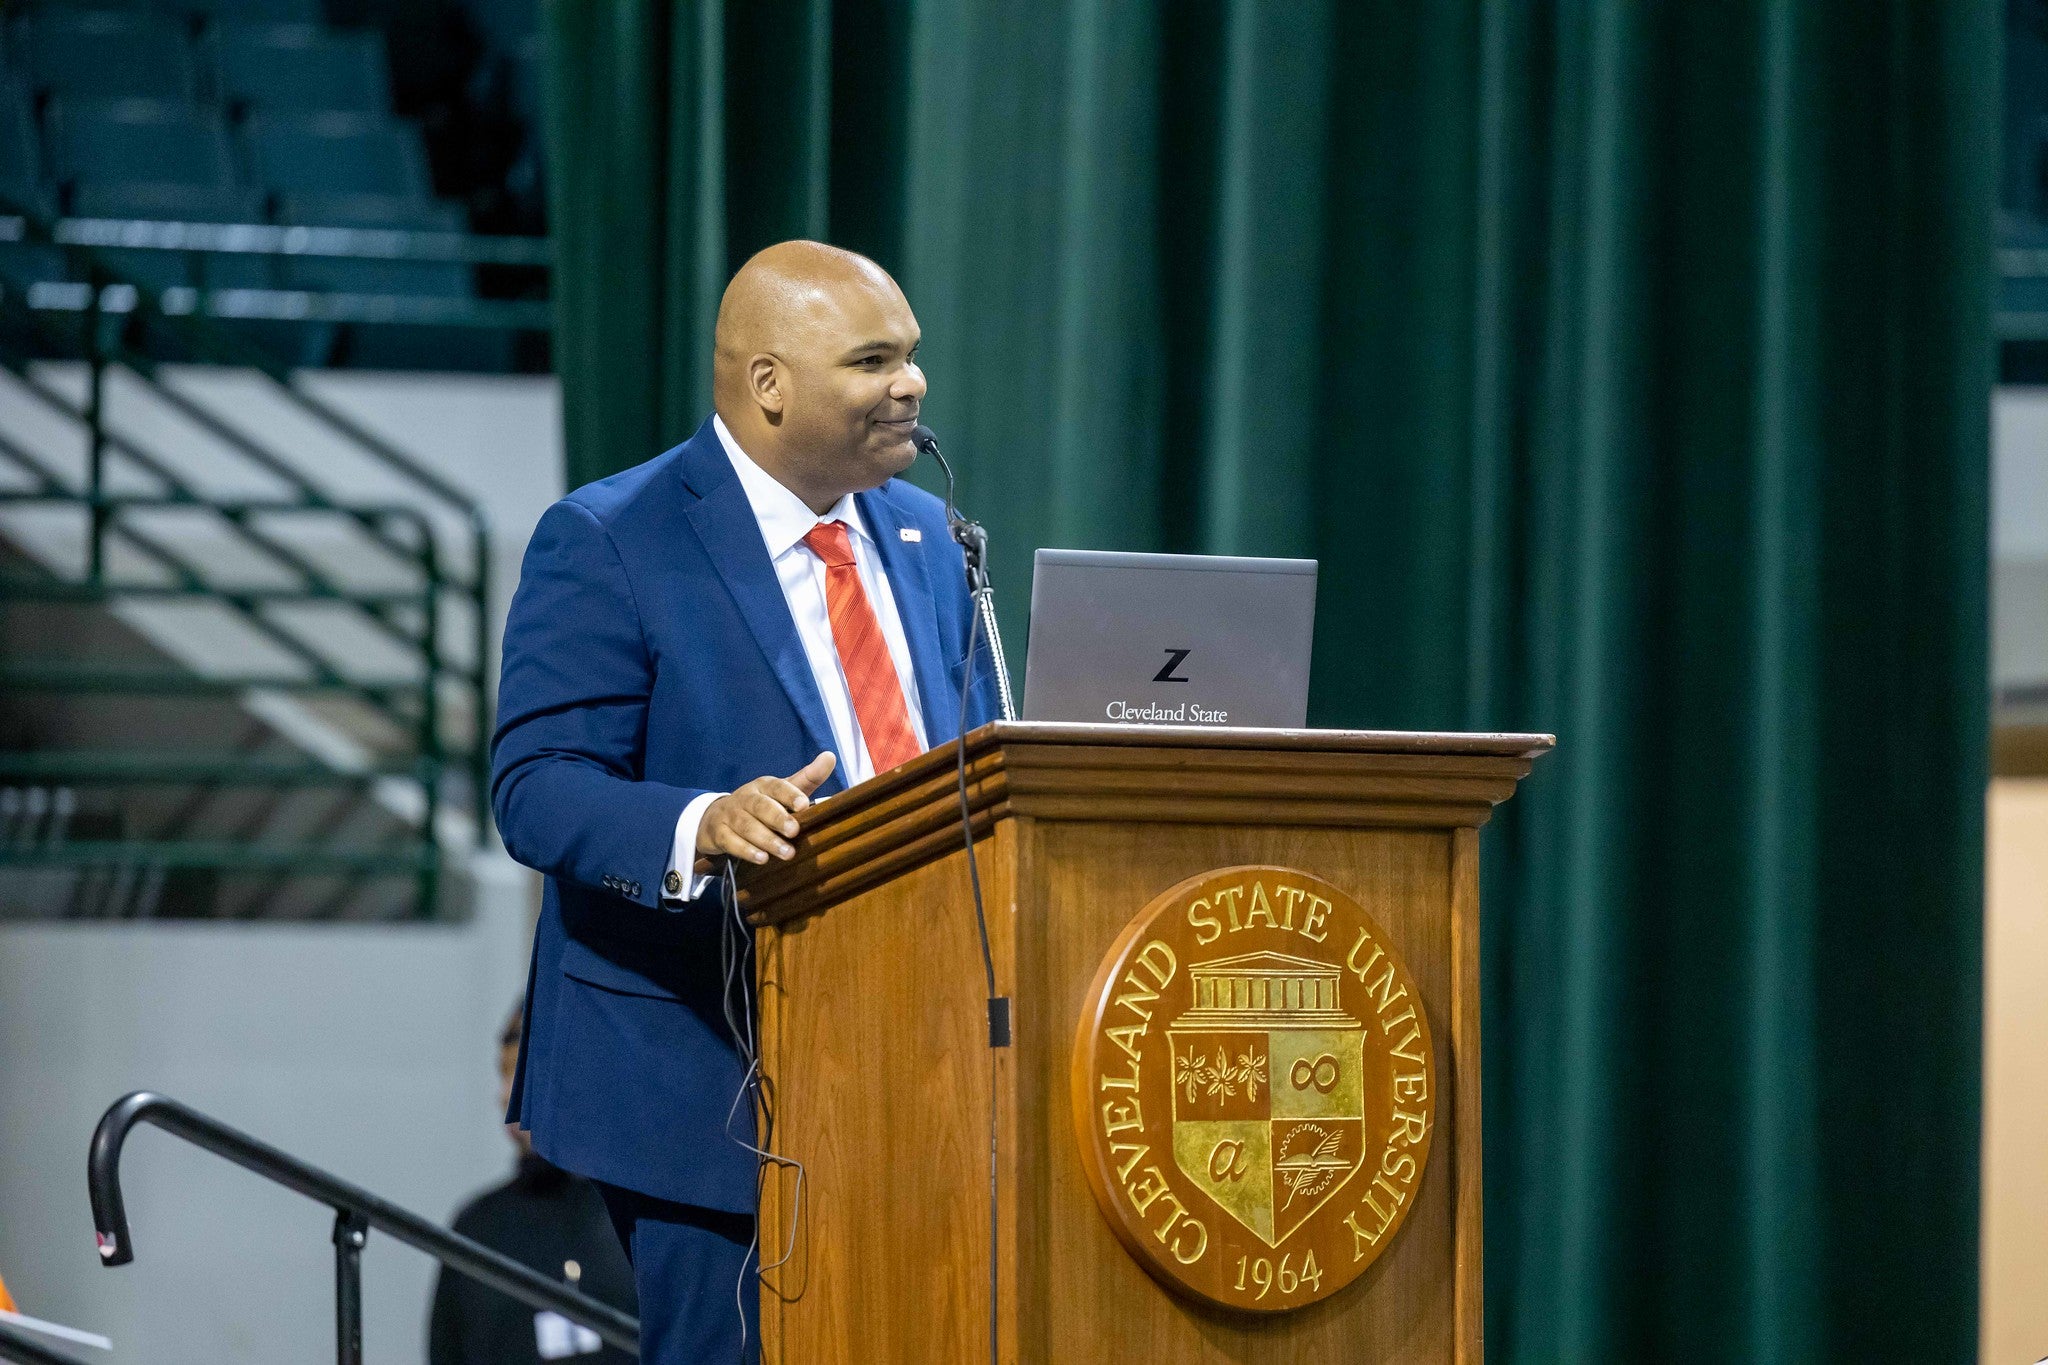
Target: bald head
[
  {"x": 786, "y": 295},
  {"x": 814, "y": 369}
]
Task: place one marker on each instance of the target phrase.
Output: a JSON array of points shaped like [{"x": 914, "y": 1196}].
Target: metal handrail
[
  {"x": 243, "y": 600},
  {"x": 356, "y": 1212},
  {"x": 107, "y": 297},
  {"x": 244, "y": 304},
  {"x": 21, "y": 223},
  {"x": 267, "y": 239},
  {"x": 423, "y": 862},
  {"x": 28, "y": 1351}
]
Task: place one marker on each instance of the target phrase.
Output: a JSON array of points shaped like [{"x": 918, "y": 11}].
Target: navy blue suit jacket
[{"x": 650, "y": 656}]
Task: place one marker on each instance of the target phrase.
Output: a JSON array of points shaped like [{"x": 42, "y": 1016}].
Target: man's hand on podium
[{"x": 758, "y": 819}]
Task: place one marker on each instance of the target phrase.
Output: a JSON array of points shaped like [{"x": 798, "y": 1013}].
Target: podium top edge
[
  {"x": 856, "y": 838},
  {"x": 1500, "y": 745}
]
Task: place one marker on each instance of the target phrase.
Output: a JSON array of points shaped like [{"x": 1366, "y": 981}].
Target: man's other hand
[{"x": 759, "y": 818}]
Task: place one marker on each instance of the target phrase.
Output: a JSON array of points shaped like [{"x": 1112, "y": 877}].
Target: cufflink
[
  {"x": 673, "y": 883},
  {"x": 911, "y": 534}
]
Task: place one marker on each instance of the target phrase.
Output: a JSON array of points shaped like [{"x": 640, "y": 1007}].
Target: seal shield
[{"x": 1268, "y": 1107}]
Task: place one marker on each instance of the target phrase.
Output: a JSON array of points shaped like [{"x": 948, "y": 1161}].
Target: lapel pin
[{"x": 911, "y": 534}]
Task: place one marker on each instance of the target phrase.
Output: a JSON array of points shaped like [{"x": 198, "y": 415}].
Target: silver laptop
[{"x": 1169, "y": 639}]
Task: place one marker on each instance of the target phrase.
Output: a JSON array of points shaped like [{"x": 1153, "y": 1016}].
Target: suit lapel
[
  {"x": 911, "y": 585},
  {"x": 724, "y": 522}
]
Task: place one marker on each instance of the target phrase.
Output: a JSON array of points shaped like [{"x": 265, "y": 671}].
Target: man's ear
[{"x": 764, "y": 381}]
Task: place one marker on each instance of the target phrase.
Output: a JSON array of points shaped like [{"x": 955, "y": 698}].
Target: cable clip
[{"x": 999, "y": 1021}]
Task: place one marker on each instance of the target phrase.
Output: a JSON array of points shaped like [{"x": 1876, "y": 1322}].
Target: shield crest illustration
[{"x": 1268, "y": 1089}]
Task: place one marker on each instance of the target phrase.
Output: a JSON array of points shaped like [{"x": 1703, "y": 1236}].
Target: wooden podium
[{"x": 874, "y": 1036}]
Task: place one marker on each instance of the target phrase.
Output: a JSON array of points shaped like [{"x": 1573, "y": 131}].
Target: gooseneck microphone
[{"x": 973, "y": 542}]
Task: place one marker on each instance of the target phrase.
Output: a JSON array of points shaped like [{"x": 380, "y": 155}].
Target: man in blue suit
[{"x": 698, "y": 647}]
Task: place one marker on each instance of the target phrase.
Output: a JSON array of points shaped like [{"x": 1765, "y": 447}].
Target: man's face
[{"x": 855, "y": 389}]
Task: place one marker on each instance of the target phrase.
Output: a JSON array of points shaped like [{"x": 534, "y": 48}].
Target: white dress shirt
[{"x": 785, "y": 520}]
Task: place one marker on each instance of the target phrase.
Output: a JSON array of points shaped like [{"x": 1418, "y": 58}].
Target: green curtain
[{"x": 1627, "y": 367}]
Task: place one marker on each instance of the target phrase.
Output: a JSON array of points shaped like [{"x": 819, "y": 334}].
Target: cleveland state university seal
[{"x": 1254, "y": 1088}]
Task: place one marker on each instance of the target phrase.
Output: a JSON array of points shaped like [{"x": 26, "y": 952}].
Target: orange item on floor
[{"x": 6, "y": 1299}]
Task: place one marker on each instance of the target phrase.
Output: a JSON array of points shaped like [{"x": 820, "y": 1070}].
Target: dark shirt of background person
[{"x": 545, "y": 1218}]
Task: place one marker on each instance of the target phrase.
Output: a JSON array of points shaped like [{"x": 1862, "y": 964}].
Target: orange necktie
[{"x": 863, "y": 652}]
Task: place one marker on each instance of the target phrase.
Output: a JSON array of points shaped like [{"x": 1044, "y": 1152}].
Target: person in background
[{"x": 543, "y": 1217}]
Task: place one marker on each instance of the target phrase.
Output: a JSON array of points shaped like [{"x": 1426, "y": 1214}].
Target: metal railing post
[
  {"x": 96, "y": 430},
  {"x": 480, "y": 727},
  {"x": 430, "y": 724},
  {"x": 351, "y": 1231}
]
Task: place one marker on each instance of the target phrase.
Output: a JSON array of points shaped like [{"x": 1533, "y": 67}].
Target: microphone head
[{"x": 921, "y": 436}]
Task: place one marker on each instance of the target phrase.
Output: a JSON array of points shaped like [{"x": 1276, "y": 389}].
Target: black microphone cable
[
  {"x": 740, "y": 1005},
  {"x": 973, "y": 542}
]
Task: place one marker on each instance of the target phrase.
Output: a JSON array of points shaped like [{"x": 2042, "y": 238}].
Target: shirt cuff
[{"x": 679, "y": 883}]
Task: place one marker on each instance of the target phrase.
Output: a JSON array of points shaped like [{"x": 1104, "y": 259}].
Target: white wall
[
  {"x": 2019, "y": 535},
  {"x": 365, "y": 1049}
]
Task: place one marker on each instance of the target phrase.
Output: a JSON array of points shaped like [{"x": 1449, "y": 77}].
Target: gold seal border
[{"x": 1081, "y": 1092}]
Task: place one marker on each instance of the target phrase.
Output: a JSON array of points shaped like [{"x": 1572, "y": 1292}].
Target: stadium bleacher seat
[
  {"x": 21, "y": 161},
  {"x": 416, "y": 279},
  {"x": 183, "y": 204},
  {"x": 168, "y": 202},
  {"x": 148, "y": 142},
  {"x": 401, "y": 347},
  {"x": 252, "y": 11},
  {"x": 370, "y": 211},
  {"x": 146, "y": 159},
  {"x": 104, "y": 54},
  {"x": 298, "y": 67},
  {"x": 335, "y": 154},
  {"x": 21, "y": 186},
  {"x": 434, "y": 279}
]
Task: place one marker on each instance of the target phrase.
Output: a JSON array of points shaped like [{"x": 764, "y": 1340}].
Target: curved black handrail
[
  {"x": 29, "y": 1351},
  {"x": 349, "y": 1202}
]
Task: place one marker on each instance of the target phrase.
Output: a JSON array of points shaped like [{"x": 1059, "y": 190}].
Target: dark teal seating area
[
  {"x": 228, "y": 111},
  {"x": 334, "y": 152},
  {"x": 104, "y": 54},
  {"x": 297, "y": 66},
  {"x": 208, "y": 96},
  {"x": 136, "y": 142}
]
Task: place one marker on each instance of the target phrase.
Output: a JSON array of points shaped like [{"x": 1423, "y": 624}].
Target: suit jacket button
[{"x": 633, "y": 888}]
